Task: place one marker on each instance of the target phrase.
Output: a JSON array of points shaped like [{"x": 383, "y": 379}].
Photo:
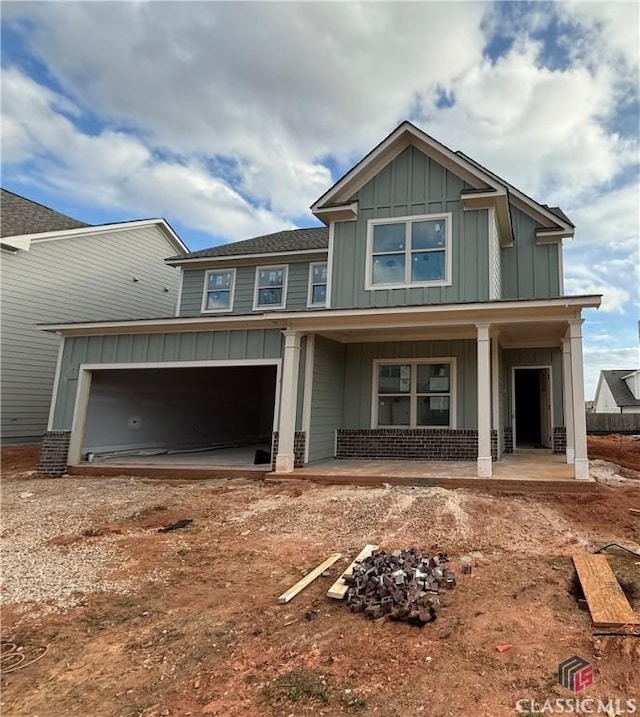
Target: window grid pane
[
  {"x": 218, "y": 299},
  {"x": 270, "y": 297}
]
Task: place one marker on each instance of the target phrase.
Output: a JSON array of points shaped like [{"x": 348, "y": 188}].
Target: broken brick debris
[{"x": 402, "y": 585}]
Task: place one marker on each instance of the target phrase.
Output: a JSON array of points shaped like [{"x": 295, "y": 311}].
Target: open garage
[{"x": 193, "y": 415}]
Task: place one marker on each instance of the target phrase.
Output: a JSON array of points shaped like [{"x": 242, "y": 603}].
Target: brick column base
[
  {"x": 54, "y": 452},
  {"x": 299, "y": 441},
  {"x": 508, "y": 439},
  {"x": 559, "y": 439}
]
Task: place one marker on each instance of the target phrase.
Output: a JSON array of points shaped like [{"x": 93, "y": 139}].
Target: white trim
[
  {"x": 285, "y": 282},
  {"x": 413, "y": 395},
  {"x": 338, "y": 213},
  {"x": 408, "y": 221},
  {"x": 179, "y": 297},
  {"x": 101, "y": 228},
  {"x": 311, "y": 317},
  {"x": 404, "y": 135},
  {"x": 85, "y": 374},
  {"x": 332, "y": 233},
  {"x": 513, "y": 398},
  {"x": 205, "y": 292},
  {"x": 56, "y": 382},
  {"x": 310, "y": 304},
  {"x": 15, "y": 244},
  {"x": 290, "y": 256},
  {"x": 309, "y": 360},
  {"x": 285, "y": 458}
]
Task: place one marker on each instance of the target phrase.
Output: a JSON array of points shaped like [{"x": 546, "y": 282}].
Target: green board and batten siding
[
  {"x": 529, "y": 270},
  {"x": 327, "y": 398},
  {"x": 412, "y": 184},
  {"x": 147, "y": 348},
  {"x": 193, "y": 289}
]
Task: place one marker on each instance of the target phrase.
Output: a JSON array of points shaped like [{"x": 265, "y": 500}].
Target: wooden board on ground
[
  {"x": 634, "y": 511},
  {"x": 339, "y": 589},
  {"x": 308, "y": 579},
  {"x": 607, "y": 603}
]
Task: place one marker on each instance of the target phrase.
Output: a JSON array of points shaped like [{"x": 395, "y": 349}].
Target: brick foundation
[
  {"x": 299, "y": 441},
  {"x": 508, "y": 439},
  {"x": 559, "y": 439},
  {"x": 431, "y": 444},
  {"x": 53, "y": 453}
]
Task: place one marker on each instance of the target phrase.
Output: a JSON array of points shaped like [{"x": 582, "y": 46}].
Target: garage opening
[
  {"x": 222, "y": 415},
  {"x": 532, "y": 409}
]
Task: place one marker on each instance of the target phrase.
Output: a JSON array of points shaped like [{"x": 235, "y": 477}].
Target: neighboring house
[
  {"x": 55, "y": 268},
  {"x": 618, "y": 392},
  {"x": 426, "y": 320}
]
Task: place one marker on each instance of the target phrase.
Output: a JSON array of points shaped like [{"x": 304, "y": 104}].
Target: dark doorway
[{"x": 532, "y": 408}]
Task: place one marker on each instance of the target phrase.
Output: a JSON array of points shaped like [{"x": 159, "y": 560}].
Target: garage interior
[{"x": 198, "y": 416}]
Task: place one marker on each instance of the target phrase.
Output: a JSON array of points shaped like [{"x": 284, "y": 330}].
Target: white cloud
[{"x": 114, "y": 169}]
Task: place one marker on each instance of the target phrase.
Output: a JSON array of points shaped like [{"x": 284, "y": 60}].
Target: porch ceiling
[{"x": 517, "y": 335}]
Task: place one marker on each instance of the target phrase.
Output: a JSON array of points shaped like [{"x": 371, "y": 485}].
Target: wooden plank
[
  {"x": 339, "y": 589},
  {"x": 308, "y": 579},
  {"x": 607, "y": 603},
  {"x": 634, "y": 511}
]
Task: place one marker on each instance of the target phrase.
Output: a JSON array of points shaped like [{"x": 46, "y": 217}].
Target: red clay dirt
[
  {"x": 210, "y": 640},
  {"x": 622, "y": 450}
]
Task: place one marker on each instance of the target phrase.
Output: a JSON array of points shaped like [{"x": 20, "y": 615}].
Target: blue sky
[{"x": 229, "y": 119}]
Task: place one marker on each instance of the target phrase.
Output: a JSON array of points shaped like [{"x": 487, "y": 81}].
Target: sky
[{"x": 229, "y": 119}]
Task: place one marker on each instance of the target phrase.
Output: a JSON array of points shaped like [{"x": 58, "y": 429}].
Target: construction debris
[
  {"x": 176, "y": 526},
  {"x": 403, "y": 585},
  {"x": 308, "y": 579}
]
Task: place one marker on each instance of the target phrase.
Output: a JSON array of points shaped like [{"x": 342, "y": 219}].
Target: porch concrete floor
[{"x": 525, "y": 465}]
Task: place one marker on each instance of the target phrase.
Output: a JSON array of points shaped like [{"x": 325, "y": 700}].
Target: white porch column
[
  {"x": 285, "y": 458},
  {"x": 581, "y": 462},
  {"x": 484, "y": 401},
  {"x": 567, "y": 397}
]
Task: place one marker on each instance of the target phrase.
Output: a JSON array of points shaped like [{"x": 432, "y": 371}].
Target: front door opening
[{"x": 532, "y": 408}]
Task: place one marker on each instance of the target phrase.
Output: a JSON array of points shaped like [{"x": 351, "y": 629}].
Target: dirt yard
[{"x": 124, "y": 621}]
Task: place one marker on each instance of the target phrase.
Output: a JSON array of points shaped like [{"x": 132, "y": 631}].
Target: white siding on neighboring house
[
  {"x": 495, "y": 278},
  {"x": 75, "y": 278},
  {"x": 604, "y": 401}
]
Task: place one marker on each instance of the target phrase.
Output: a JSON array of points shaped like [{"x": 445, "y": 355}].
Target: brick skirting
[
  {"x": 431, "y": 444},
  {"x": 299, "y": 440},
  {"x": 559, "y": 439},
  {"x": 508, "y": 439},
  {"x": 54, "y": 452}
]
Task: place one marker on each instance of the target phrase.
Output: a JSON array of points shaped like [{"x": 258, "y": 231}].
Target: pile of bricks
[{"x": 403, "y": 585}]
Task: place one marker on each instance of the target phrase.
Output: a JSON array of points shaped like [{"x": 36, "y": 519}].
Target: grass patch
[{"x": 311, "y": 687}]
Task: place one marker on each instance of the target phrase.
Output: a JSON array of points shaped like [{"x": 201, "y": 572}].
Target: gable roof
[
  {"x": 292, "y": 240},
  {"x": 20, "y": 216},
  {"x": 619, "y": 390},
  {"x": 333, "y": 203}
]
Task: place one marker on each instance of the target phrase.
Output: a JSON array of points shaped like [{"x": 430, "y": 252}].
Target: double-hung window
[
  {"x": 271, "y": 287},
  {"x": 317, "y": 284},
  {"x": 218, "y": 290},
  {"x": 416, "y": 393},
  {"x": 412, "y": 251}
]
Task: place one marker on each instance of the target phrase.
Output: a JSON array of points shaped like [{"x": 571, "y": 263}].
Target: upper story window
[
  {"x": 317, "y": 284},
  {"x": 414, "y": 393},
  {"x": 412, "y": 251},
  {"x": 218, "y": 290},
  {"x": 271, "y": 287}
]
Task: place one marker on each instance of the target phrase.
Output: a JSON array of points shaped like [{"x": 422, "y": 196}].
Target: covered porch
[{"x": 482, "y": 354}]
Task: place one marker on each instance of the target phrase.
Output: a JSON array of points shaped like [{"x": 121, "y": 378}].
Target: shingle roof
[
  {"x": 559, "y": 213},
  {"x": 619, "y": 390},
  {"x": 19, "y": 215},
  {"x": 291, "y": 240}
]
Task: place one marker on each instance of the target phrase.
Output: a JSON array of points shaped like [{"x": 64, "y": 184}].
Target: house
[
  {"x": 55, "y": 268},
  {"x": 425, "y": 320},
  {"x": 618, "y": 392}
]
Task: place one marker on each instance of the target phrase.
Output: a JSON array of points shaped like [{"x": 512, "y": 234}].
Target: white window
[
  {"x": 271, "y": 287},
  {"x": 416, "y": 393},
  {"x": 317, "y": 284},
  {"x": 218, "y": 290},
  {"x": 412, "y": 251}
]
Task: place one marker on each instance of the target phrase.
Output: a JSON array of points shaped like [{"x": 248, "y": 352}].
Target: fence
[{"x": 613, "y": 423}]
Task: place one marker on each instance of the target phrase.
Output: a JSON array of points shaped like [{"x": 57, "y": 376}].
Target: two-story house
[
  {"x": 56, "y": 268},
  {"x": 425, "y": 320}
]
